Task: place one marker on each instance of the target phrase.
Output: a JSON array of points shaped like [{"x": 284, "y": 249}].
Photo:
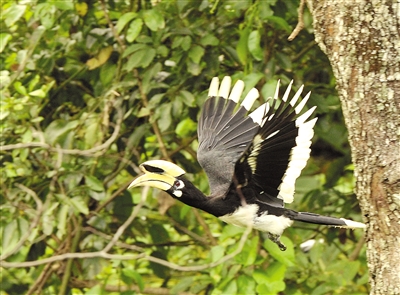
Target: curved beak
[
  {"x": 158, "y": 173},
  {"x": 163, "y": 182}
]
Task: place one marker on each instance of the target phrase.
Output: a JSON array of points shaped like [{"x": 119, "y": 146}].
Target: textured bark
[{"x": 361, "y": 39}]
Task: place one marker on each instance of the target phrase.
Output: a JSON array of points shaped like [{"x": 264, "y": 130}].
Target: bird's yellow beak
[
  {"x": 159, "y": 174},
  {"x": 163, "y": 182}
]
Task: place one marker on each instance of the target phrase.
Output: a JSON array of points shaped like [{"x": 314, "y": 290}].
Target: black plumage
[{"x": 252, "y": 160}]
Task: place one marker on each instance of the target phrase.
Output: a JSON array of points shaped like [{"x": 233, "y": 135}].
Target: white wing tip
[
  {"x": 250, "y": 98},
  {"x": 353, "y": 224},
  {"x": 237, "y": 91},
  {"x": 213, "y": 90},
  {"x": 225, "y": 87}
]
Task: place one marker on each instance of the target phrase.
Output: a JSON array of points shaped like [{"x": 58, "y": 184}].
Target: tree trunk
[{"x": 361, "y": 39}]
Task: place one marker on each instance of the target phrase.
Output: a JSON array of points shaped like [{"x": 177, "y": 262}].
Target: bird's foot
[{"x": 276, "y": 240}]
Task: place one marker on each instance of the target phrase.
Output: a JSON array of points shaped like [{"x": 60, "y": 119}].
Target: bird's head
[{"x": 162, "y": 175}]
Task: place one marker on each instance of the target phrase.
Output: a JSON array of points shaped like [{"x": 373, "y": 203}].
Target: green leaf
[
  {"x": 254, "y": 45},
  {"x": 4, "y": 38},
  {"x": 251, "y": 81},
  {"x": 20, "y": 88},
  {"x": 153, "y": 19},
  {"x": 134, "y": 30},
  {"x": 188, "y": 98},
  {"x": 209, "y": 39},
  {"x": 158, "y": 233},
  {"x": 246, "y": 284},
  {"x": 133, "y": 48},
  {"x": 46, "y": 12},
  {"x": 186, "y": 43},
  {"x": 62, "y": 220},
  {"x": 107, "y": 73},
  {"x": 280, "y": 22},
  {"x": 193, "y": 68},
  {"x": 185, "y": 128},
  {"x": 13, "y": 14},
  {"x": 124, "y": 20},
  {"x": 10, "y": 236},
  {"x": 196, "y": 53},
  {"x": 132, "y": 274},
  {"x": 217, "y": 252},
  {"x": 93, "y": 183},
  {"x": 268, "y": 89},
  {"x": 159, "y": 270},
  {"x": 141, "y": 58},
  {"x": 163, "y": 113},
  {"x": 80, "y": 205},
  {"x": 285, "y": 257},
  {"x": 98, "y": 290},
  {"x": 38, "y": 93},
  {"x": 284, "y": 61},
  {"x": 58, "y": 128},
  {"x": 242, "y": 45}
]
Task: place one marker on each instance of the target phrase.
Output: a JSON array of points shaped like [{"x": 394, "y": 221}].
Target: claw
[{"x": 276, "y": 240}]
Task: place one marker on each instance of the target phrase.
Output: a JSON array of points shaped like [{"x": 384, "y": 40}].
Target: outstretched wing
[
  {"x": 279, "y": 150},
  {"x": 224, "y": 133}
]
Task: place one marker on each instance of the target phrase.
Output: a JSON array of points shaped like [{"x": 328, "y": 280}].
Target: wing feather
[
  {"x": 224, "y": 134},
  {"x": 279, "y": 150}
]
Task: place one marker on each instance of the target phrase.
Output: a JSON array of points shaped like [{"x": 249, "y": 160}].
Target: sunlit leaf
[
  {"x": 100, "y": 58},
  {"x": 80, "y": 205},
  {"x": 124, "y": 20},
  {"x": 196, "y": 53},
  {"x": 93, "y": 183},
  {"x": 81, "y": 8},
  {"x": 254, "y": 45},
  {"x": 57, "y": 128},
  {"x": 4, "y": 38},
  {"x": 153, "y": 19},
  {"x": 242, "y": 45},
  {"x": 13, "y": 14},
  {"x": 134, "y": 30}
]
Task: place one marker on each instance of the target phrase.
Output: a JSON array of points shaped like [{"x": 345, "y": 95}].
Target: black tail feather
[{"x": 326, "y": 220}]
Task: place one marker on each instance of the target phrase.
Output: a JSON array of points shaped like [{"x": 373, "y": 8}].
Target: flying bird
[{"x": 252, "y": 160}]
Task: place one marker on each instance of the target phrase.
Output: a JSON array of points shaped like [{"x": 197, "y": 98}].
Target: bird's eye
[{"x": 179, "y": 184}]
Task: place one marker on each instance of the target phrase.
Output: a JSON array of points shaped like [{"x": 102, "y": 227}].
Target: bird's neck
[{"x": 215, "y": 205}]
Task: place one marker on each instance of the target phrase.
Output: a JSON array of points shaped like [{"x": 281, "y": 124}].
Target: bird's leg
[
  {"x": 239, "y": 191},
  {"x": 276, "y": 240}
]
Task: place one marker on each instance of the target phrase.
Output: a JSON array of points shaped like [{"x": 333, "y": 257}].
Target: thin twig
[
  {"x": 88, "y": 153},
  {"x": 124, "y": 226},
  {"x": 111, "y": 25},
  {"x": 105, "y": 255},
  {"x": 154, "y": 124},
  {"x": 205, "y": 226},
  {"x": 188, "y": 232},
  {"x": 300, "y": 22},
  {"x": 114, "y": 195},
  {"x": 354, "y": 255}
]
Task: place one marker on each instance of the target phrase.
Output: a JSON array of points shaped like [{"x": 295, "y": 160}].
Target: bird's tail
[{"x": 326, "y": 220}]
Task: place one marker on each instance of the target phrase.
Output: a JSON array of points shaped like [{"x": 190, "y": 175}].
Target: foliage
[{"x": 91, "y": 89}]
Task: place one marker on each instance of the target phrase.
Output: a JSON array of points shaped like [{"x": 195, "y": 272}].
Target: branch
[
  {"x": 111, "y": 25},
  {"x": 300, "y": 22},
  {"x": 87, "y": 153},
  {"x": 34, "y": 223},
  {"x": 105, "y": 255},
  {"x": 111, "y": 288}
]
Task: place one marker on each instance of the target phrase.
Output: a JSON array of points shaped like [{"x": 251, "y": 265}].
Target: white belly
[{"x": 247, "y": 215}]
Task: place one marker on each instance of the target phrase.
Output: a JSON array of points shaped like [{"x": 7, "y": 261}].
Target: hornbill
[{"x": 252, "y": 161}]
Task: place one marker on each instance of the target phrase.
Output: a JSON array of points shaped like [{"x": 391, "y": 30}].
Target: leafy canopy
[{"x": 91, "y": 89}]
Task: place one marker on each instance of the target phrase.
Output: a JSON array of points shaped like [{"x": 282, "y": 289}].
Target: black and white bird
[{"x": 252, "y": 161}]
